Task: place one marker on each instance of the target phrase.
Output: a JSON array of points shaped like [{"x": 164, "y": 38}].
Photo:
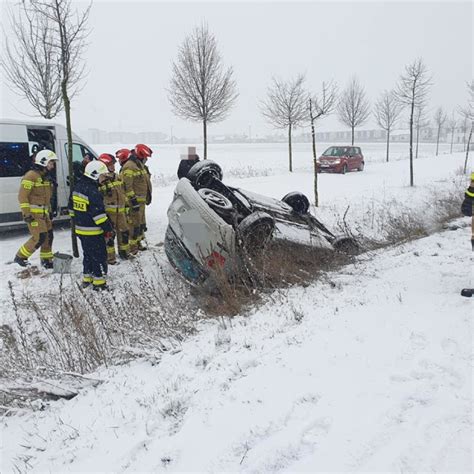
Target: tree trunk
[
  {"x": 467, "y": 148},
  {"x": 290, "y": 157},
  {"x": 417, "y": 139},
  {"x": 437, "y": 140},
  {"x": 452, "y": 141},
  {"x": 411, "y": 142},
  {"x": 315, "y": 164},
  {"x": 388, "y": 143},
  {"x": 204, "y": 126},
  {"x": 67, "y": 111},
  {"x": 352, "y": 128}
]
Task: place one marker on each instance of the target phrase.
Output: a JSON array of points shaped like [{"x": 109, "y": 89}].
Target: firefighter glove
[
  {"x": 28, "y": 218},
  {"x": 109, "y": 235}
]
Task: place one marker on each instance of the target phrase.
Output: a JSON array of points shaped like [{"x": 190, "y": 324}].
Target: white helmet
[
  {"x": 94, "y": 169},
  {"x": 43, "y": 157}
]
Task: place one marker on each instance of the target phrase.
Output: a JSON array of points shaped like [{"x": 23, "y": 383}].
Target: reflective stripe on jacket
[{"x": 87, "y": 207}]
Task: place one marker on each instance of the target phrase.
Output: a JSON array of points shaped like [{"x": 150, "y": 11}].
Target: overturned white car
[{"x": 213, "y": 227}]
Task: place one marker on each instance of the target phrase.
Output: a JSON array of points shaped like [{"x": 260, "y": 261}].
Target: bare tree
[
  {"x": 421, "y": 122},
  {"x": 200, "y": 89},
  {"x": 440, "y": 118},
  {"x": 468, "y": 114},
  {"x": 463, "y": 127},
  {"x": 451, "y": 126},
  {"x": 387, "y": 111},
  {"x": 286, "y": 107},
  {"x": 68, "y": 38},
  {"x": 353, "y": 108},
  {"x": 319, "y": 106},
  {"x": 412, "y": 90},
  {"x": 30, "y": 62}
]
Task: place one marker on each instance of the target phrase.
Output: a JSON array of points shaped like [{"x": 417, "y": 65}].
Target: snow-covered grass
[{"x": 367, "y": 369}]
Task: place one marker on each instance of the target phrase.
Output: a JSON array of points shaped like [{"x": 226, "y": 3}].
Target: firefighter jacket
[
  {"x": 113, "y": 192},
  {"x": 35, "y": 193},
  {"x": 86, "y": 206},
  {"x": 136, "y": 180}
]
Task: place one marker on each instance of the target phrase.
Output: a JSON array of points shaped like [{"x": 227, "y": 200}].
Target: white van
[{"x": 19, "y": 140}]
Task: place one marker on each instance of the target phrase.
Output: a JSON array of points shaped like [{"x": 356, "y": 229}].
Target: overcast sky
[{"x": 132, "y": 46}]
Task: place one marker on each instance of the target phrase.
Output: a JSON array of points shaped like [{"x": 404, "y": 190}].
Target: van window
[
  {"x": 78, "y": 152},
  {"x": 14, "y": 159}
]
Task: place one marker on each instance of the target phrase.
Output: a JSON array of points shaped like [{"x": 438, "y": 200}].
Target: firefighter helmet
[
  {"x": 94, "y": 169},
  {"x": 107, "y": 159},
  {"x": 143, "y": 151},
  {"x": 122, "y": 155},
  {"x": 43, "y": 157}
]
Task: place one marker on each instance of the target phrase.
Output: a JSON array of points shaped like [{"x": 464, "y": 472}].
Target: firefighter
[
  {"x": 143, "y": 152},
  {"x": 467, "y": 207},
  {"x": 35, "y": 194},
  {"x": 137, "y": 188},
  {"x": 113, "y": 192},
  {"x": 92, "y": 225}
]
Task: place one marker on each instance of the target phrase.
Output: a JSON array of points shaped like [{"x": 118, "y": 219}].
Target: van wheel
[
  {"x": 297, "y": 201},
  {"x": 256, "y": 230},
  {"x": 344, "y": 169},
  {"x": 202, "y": 173},
  {"x": 361, "y": 167},
  {"x": 215, "y": 200}
]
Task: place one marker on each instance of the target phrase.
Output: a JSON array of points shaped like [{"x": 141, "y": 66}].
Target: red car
[{"x": 340, "y": 159}]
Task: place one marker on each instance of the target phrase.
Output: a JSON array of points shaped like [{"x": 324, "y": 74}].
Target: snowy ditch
[{"x": 67, "y": 330}]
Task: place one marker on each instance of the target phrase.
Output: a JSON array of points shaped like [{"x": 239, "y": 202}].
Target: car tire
[
  {"x": 297, "y": 201},
  {"x": 361, "y": 167},
  {"x": 256, "y": 230},
  {"x": 344, "y": 169},
  {"x": 202, "y": 172},
  {"x": 215, "y": 200}
]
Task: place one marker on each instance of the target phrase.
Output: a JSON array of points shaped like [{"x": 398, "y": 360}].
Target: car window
[
  {"x": 358, "y": 151},
  {"x": 15, "y": 159}
]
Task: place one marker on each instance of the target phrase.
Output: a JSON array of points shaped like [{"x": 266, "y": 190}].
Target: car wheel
[
  {"x": 344, "y": 169},
  {"x": 256, "y": 230},
  {"x": 202, "y": 172},
  {"x": 215, "y": 200},
  {"x": 297, "y": 201},
  {"x": 361, "y": 167}
]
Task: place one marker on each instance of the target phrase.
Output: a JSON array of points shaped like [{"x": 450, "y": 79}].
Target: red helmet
[
  {"x": 122, "y": 155},
  {"x": 143, "y": 151},
  {"x": 107, "y": 159}
]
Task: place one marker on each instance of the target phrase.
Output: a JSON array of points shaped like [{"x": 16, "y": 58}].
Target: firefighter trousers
[
  {"x": 137, "y": 220},
  {"x": 94, "y": 259},
  {"x": 41, "y": 231},
  {"x": 121, "y": 227}
]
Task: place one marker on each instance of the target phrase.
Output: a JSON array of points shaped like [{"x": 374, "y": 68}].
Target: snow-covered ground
[{"x": 369, "y": 369}]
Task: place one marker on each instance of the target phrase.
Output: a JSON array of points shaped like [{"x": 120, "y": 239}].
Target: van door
[{"x": 15, "y": 161}]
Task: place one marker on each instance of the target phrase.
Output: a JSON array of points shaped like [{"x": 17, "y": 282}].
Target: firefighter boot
[{"x": 23, "y": 262}]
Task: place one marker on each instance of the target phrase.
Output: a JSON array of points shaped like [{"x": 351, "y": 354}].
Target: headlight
[{"x": 336, "y": 162}]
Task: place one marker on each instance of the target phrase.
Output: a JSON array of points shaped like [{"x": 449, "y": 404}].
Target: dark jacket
[
  {"x": 185, "y": 166},
  {"x": 468, "y": 203},
  {"x": 86, "y": 206}
]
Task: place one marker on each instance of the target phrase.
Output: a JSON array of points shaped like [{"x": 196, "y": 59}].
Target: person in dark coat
[
  {"x": 187, "y": 162},
  {"x": 93, "y": 227}
]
